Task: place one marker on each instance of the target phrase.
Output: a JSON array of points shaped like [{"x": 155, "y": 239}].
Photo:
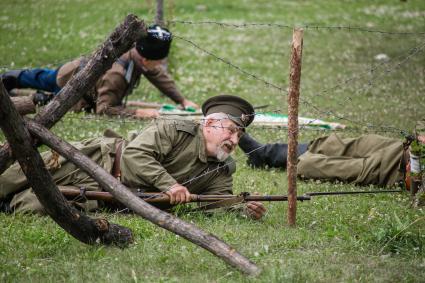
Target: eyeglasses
[{"x": 232, "y": 129}]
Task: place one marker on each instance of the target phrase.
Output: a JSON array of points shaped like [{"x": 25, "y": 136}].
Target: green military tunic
[
  {"x": 368, "y": 160},
  {"x": 165, "y": 153},
  {"x": 170, "y": 152}
]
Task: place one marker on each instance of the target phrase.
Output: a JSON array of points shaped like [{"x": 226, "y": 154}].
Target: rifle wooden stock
[{"x": 72, "y": 194}]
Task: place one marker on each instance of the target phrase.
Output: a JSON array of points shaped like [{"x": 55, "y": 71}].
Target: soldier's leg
[
  {"x": 363, "y": 146},
  {"x": 14, "y": 185},
  {"x": 67, "y": 175},
  {"x": 369, "y": 160},
  {"x": 10, "y": 79},
  {"x": 12, "y": 181},
  {"x": 26, "y": 201},
  {"x": 319, "y": 166},
  {"x": 271, "y": 155},
  {"x": 40, "y": 79}
]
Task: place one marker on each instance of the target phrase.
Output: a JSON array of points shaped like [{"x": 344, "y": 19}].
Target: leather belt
[{"x": 116, "y": 167}]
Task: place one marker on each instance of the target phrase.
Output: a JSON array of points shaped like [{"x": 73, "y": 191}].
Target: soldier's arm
[
  {"x": 110, "y": 92},
  {"x": 160, "y": 78},
  {"x": 141, "y": 159}
]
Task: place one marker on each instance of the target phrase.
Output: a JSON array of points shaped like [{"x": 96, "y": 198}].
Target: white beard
[{"x": 221, "y": 154}]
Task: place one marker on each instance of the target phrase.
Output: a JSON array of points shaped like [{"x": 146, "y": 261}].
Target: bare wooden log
[
  {"x": 156, "y": 216},
  {"x": 120, "y": 41},
  {"x": 293, "y": 97},
  {"x": 71, "y": 220},
  {"x": 24, "y": 104},
  {"x": 21, "y": 92}
]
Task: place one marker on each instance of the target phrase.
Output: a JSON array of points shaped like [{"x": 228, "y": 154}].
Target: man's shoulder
[
  {"x": 179, "y": 124},
  {"x": 118, "y": 68}
]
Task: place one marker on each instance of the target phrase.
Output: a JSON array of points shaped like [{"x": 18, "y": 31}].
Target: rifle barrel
[
  {"x": 352, "y": 193},
  {"x": 159, "y": 197}
]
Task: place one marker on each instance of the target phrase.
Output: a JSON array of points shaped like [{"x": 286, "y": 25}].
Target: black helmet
[{"x": 156, "y": 44}]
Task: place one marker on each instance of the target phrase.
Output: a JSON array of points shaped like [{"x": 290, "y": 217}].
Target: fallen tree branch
[
  {"x": 71, "y": 220},
  {"x": 24, "y": 104},
  {"x": 126, "y": 197},
  {"x": 119, "y": 42}
]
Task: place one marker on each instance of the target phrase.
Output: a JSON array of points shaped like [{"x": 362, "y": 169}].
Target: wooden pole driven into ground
[
  {"x": 74, "y": 222},
  {"x": 156, "y": 216},
  {"x": 159, "y": 20},
  {"x": 120, "y": 41},
  {"x": 293, "y": 98},
  {"x": 159, "y": 15}
]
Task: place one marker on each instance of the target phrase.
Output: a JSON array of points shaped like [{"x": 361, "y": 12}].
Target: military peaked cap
[{"x": 238, "y": 109}]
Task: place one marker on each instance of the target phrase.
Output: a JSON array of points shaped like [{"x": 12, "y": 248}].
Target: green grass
[{"x": 347, "y": 238}]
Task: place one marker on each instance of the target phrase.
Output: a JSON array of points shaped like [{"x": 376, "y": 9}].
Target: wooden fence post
[
  {"x": 293, "y": 97},
  {"x": 159, "y": 15}
]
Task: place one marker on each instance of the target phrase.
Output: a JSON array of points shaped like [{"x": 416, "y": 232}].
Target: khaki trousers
[{"x": 368, "y": 160}]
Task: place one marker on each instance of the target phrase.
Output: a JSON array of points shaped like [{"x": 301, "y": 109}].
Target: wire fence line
[
  {"x": 377, "y": 71},
  {"x": 304, "y": 26},
  {"x": 415, "y": 50},
  {"x": 229, "y": 63},
  {"x": 311, "y": 27}
]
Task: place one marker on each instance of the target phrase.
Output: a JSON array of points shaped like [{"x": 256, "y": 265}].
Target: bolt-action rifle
[{"x": 73, "y": 194}]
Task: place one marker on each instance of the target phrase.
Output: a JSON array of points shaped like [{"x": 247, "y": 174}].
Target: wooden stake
[
  {"x": 159, "y": 20},
  {"x": 159, "y": 16},
  {"x": 293, "y": 97}
]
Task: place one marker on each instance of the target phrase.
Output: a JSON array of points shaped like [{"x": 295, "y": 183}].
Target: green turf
[{"x": 337, "y": 239}]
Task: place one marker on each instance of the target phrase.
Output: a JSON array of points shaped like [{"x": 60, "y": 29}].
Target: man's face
[
  {"x": 142, "y": 62},
  {"x": 150, "y": 64},
  {"x": 221, "y": 136}
]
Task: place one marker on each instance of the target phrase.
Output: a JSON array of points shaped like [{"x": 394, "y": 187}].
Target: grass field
[{"x": 367, "y": 238}]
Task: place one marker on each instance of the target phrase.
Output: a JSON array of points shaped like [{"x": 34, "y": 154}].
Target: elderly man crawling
[{"x": 174, "y": 156}]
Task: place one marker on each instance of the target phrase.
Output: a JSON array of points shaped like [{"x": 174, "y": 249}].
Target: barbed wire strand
[
  {"x": 376, "y": 71},
  {"x": 267, "y": 83},
  {"x": 304, "y": 26},
  {"x": 281, "y": 89}
]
